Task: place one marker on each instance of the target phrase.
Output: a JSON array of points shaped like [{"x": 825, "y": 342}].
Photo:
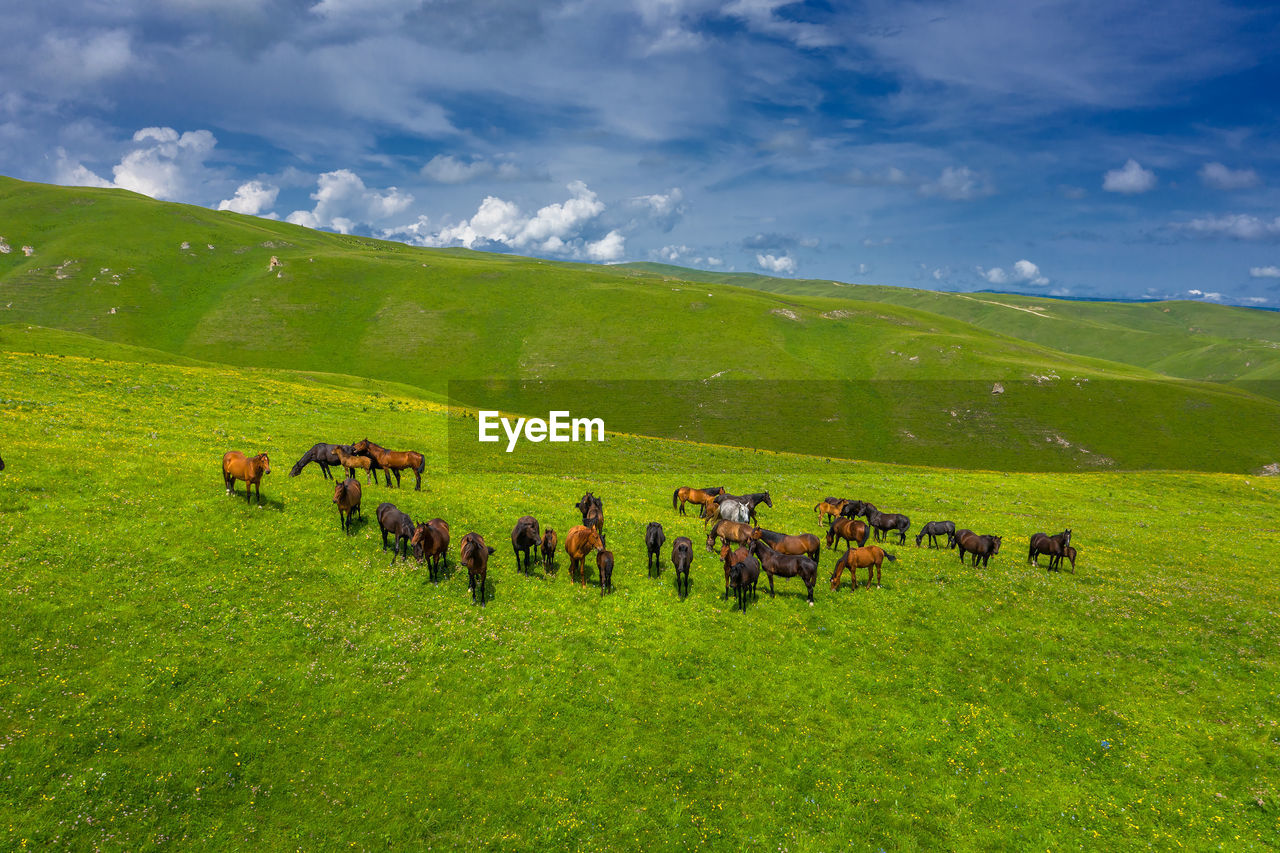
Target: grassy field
[{"x": 176, "y": 666}]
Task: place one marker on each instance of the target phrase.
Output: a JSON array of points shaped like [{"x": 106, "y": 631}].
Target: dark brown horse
[
  {"x": 654, "y": 538},
  {"x": 580, "y": 542},
  {"x": 604, "y": 565},
  {"x": 399, "y": 525},
  {"x": 934, "y": 529},
  {"x": 548, "y": 547},
  {"x": 868, "y": 556},
  {"x": 681, "y": 560},
  {"x": 352, "y": 461},
  {"x": 594, "y": 517},
  {"x": 688, "y": 494},
  {"x": 1053, "y": 546},
  {"x": 732, "y": 557},
  {"x": 729, "y": 531},
  {"x": 347, "y": 496},
  {"x": 784, "y": 543},
  {"x": 430, "y": 542},
  {"x": 849, "y": 529},
  {"x": 588, "y": 500},
  {"x": 393, "y": 461},
  {"x": 237, "y": 466},
  {"x": 324, "y": 455},
  {"x": 981, "y": 547},
  {"x": 884, "y": 522},
  {"x": 525, "y": 537},
  {"x": 744, "y": 575},
  {"x": 474, "y": 554},
  {"x": 786, "y": 566}
]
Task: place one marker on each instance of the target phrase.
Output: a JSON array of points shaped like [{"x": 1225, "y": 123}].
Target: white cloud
[
  {"x": 343, "y": 203},
  {"x": 252, "y": 198},
  {"x": 1129, "y": 179},
  {"x": 784, "y": 265},
  {"x": 610, "y": 247},
  {"x": 1023, "y": 272},
  {"x": 1265, "y": 272},
  {"x": 97, "y": 57},
  {"x": 447, "y": 169},
  {"x": 760, "y": 16},
  {"x": 1241, "y": 226},
  {"x": 164, "y": 164},
  {"x": 1209, "y": 296},
  {"x": 1220, "y": 177},
  {"x": 958, "y": 184}
]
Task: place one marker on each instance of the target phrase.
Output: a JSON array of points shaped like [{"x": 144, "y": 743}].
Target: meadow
[{"x": 179, "y": 667}]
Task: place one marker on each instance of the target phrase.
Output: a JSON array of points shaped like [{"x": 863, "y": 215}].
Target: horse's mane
[
  {"x": 307, "y": 458},
  {"x": 771, "y": 535}
]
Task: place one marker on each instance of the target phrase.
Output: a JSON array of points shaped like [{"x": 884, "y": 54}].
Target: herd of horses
[{"x": 745, "y": 549}]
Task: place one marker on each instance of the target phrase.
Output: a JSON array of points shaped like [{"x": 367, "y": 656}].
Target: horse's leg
[
  {"x": 417, "y": 480},
  {"x": 771, "y": 585}
]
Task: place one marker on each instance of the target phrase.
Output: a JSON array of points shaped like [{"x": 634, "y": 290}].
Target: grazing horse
[
  {"x": 984, "y": 547},
  {"x": 580, "y": 542},
  {"x": 934, "y": 529},
  {"x": 1051, "y": 545},
  {"x": 831, "y": 508},
  {"x": 604, "y": 565},
  {"x": 324, "y": 455},
  {"x": 352, "y": 461},
  {"x": 654, "y": 538},
  {"x": 883, "y": 522},
  {"x": 803, "y": 543},
  {"x": 729, "y": 531},
  {"x": 681, "y": 560},
  {"x": 399, "y": 525},
  {"x": 525, "y": 537},
  {"x": 744, "y": 576},
  {"x": 430, "y": 542},
  {"x": 688, "y": 494},
  {"x": 347, "y": 496},
  {"x": 237, "y": 466},
  {"x": 731, "y": 557},
  {"x": 870, "y": 556},
  {"x": 1069, "y": 552},
  {"x": 548, "y": 546},
  {"x": 393, "y": 461},
  {"x": 474, "y": 554},
  {"x": 849, "y": 529},
  {"x": 786, "y": 566}
]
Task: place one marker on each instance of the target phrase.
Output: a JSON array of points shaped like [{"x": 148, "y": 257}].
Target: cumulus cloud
[
  {"x": 610, "y": 247},
  {"x": 164, "y": 164},
  {"x": 1129, "y": 179},
  {"x": 1210, "y": 296},
  {"x": 343, "y": 203},
  {"x": 1023, "y": 272},
  {"x": 1240, "y": 226},
  {"x": 1265, "y": 272},
  {"x": 958, "y": 184},
  {"x": 779, "y": 265},
  {"x": 662, "y": 210},
  {"x": 1220, "y": 177},
  {"x": 447, "y": 169},
  {"x": 252, "y": 198}
]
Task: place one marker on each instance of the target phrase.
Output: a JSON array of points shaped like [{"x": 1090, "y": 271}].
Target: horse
[
  {"x": 803, "y": 543},
  {"x": 934, "y": 529},
  {"x": 752, "y": 501},
  {"x": 593, "y": 516},
  {"x": 399, "y": 525},
  {"x": 729, "y": 531},
  {"x": 548, "y": 546},
  {"x": 731, "y": 558},
  {"x": 604, "y": 565},
  {"x": 324, "y": 455},
  {"x": 237, "y": 466},
  {"x": 347, "y": 496},
  {"x": 580, "y": 542},
  {"x": 681, "y": 560},
  {"x": 430, "y": 542},
  {"x": 831, "y": 507},
  {"x": 1070, "y": 553},
  {"x": 393, "y": 461},
  {"x": 786, "y": 566},
  {"x": 588, "y": 500},
  {"x": 870, "y": 556},
  {"x": 730, "y": 509},
  {"x": 525, "y": 537},
  {"x": 984, "y": 547},
  {"x": 352, "y": 461},
  {"x": 474, "y": 554},
  {"x": 849, "y": 529},
  {"x": 688, "y": 494},
  {"x": 654, "y": 538},
  {"x": 883, "y": 522},
  {"x": 853, "y": 508},
  {"x": 1051, "y": 545},
  {"x": 744, "y": 576}
]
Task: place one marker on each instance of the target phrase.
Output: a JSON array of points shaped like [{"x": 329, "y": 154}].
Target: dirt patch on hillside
[{"x": 787, "y": 313}]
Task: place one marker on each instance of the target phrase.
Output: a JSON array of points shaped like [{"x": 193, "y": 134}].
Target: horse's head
[
  {"x": 756, "y": 534},
  {"x": 597, "y": 539},
  {"x": 995, "y": 549},
  {"x": 263, "y": 463},
  {"x": 1066, "y": 537},
  {"x": 768, "y": 501},
  {"x": 360, "y": 446},
  {"x": 831, "y": 536}
]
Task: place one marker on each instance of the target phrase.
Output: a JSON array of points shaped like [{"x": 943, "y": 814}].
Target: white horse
[{"x": 735, "y": 510}]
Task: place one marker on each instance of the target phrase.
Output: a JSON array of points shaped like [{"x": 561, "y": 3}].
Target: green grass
[{"x": 178, "y": 667}]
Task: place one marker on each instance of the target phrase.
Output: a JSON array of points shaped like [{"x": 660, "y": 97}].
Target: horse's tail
[
  {"x": 422, "y": 462},
  {"x": 675, "y": 497},
  {"x": 890, "y": 557}
]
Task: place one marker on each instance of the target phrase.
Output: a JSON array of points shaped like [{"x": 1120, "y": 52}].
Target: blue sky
[{"x": 1082, "y": 148}]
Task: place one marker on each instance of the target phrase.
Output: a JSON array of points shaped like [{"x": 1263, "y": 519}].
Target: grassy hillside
[{"x": 179, "y": 667}]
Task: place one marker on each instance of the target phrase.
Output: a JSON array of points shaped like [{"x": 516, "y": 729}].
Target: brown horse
[
  {"x": 604, "y": 565},
  {"x": 525, "y": 537},
  {"x": 352, "y": 461},
  {"x": 237, "y": 466},
  {"x": 474, "y": 554},
  {"x": 430, "y": 542},
  {"x": 393, "y": 461},
  {"x": 732, "y": 557},
  {"x": 593, "y": 516},
  {"x": 580, "y": 542},
  {"x": 981, "y": 547},
  {"x": 786, "y": 566},
  {"x": 831, "y": 508},
  {"x": 803, "y": 543},
  {"x": 548, "y": 546},
  {"x": 1070, "y": 553},
  {"x": 870, "y": 557},
  {"x": 848, "y": 529},
  {"x": 729, "y": 531},
  {"x": 347, "y": 496},
  {"x": 688, "y": 494},
  {"x": 1053, "y": 546}
]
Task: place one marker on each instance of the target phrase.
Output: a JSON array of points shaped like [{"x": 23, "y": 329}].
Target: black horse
[
  {"x": 681, "y": 560},
  {"x": 654, "y": 537},
  {"x": 324, "y": 455},
  {"x": 934, "y": 529},
  {"x": 743, "y": 577},
  {"x": 399, "y": 525},
  {"x": 525, "y": 537},
  {"x": 1054, "y": 546},
  {"x": 884, "y": 522}
]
